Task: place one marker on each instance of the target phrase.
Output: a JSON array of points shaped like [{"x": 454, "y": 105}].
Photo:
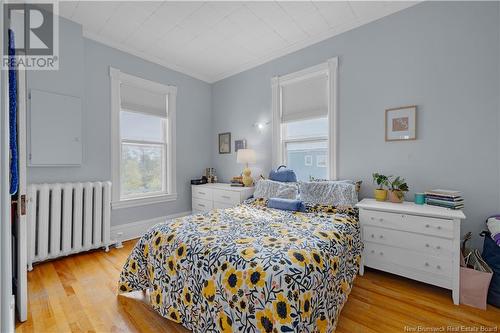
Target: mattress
[{"x": 249, "y": 268}]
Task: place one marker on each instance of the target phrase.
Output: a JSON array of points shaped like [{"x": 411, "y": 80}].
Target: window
[
  {"x": 143, "y": 149},
  {"x": 143, "y": 154},
  {"x": 303, "y": 142},
  {"x": 304, "y": 111}
]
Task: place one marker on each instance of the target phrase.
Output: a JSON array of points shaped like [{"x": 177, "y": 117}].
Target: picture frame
[
  {"x": 240, "y": 144},
  {"x": 225, "y": 143},
  {"x": 401, "y": 123}
]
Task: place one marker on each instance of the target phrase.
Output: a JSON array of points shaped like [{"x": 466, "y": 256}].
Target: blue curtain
[{"x": 14, "y": 175}]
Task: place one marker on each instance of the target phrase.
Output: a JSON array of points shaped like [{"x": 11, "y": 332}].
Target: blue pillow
[
  {"x": 282, "y": 174},
  {"x": 286, "y": 204}
]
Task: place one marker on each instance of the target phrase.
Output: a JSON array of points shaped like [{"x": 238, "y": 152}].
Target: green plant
[
  {"x": 398, "y": 186},
  {"x": 380, "y": 180}
]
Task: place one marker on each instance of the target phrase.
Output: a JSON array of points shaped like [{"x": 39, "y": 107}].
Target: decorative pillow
[
  {"x": 286, "y": 204},
  {"x": 357, "y": 183},
  {"x": 266, "y": 188},
  {"x": 328, "y": 193}
]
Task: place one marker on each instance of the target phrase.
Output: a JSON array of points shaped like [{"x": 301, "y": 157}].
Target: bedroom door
[{"x": 20, "y": 234}]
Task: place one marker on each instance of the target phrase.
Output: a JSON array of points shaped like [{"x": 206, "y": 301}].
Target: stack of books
[
  {"x": 445, "y": 198},
  {"x": 237, "y": 181}
]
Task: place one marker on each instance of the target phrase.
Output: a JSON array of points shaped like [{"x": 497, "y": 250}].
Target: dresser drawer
[
  {"x": 202, "y": 192},
  {"x": 202, "y": 205},
  {"x": 435, "y": 246},
  {"x": 226, "y": 197},
  {"x": 222, "y": 205},
  {"x": 407, "y": 258},
  {"x": 414, "y": 223}
]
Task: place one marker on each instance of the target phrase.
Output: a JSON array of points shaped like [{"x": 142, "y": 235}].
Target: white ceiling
[{"x": 214, "y": 40}]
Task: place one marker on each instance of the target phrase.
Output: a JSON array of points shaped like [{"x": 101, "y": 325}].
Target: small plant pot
[
  {"x": 396, "y": 196},
  {"x": 380, "y": 195}
]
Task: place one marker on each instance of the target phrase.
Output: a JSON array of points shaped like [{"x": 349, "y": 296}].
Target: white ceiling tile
[
  {"x": 207, "y": 15},
  {"x": 135, "y": 12},
  {"x": 118, "y": 30},
  {"x": 290, "y": 31},
  {"x": 142, "y": 39},
  {"x": 268, "y": 11},
  {"x": 177, "y": 11},
  {"x": 176, "y": 38},
  {"x": 93, "y": 15},
  {"x": 368, "y": 9},
  {"x": 67, "y": 8},
  {"x": 226, "y": 28},
  {"x": 312, "y": 23},
  {"x": 336, "y": 13},
  {"x": 297, "y": 9},
  {"x": 245, "y": 18}
]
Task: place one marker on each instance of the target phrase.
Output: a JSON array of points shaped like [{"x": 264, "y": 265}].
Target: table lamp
[{"x": 246, "y": 156}]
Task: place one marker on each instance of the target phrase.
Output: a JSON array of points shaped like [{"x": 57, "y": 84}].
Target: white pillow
[
  {"x": 335, "y": 193},
  {"x": 266, "y": 189}
]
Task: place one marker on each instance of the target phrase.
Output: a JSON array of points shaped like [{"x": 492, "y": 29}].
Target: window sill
[{"x": 128, "y": 203}]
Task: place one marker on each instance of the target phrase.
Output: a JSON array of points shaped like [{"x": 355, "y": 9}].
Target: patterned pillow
[
  {"x": 328, "y": 193},
  {"x": 266, "y": 188}
]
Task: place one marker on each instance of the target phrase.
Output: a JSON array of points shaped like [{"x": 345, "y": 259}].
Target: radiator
[{"x": 67, "y": 218}]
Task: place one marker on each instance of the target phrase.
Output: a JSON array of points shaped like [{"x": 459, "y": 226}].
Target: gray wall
[
  {"x": 84, "y": 72},
  {"x": 444, "y": 57}
]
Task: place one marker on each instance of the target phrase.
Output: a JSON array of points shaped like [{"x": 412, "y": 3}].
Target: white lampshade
[{"x": 245, "y": 156}]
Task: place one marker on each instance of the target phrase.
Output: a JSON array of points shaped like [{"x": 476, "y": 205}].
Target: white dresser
[
  {"x": 420, "y": 242},
  {"x": 219, "y": 195}
]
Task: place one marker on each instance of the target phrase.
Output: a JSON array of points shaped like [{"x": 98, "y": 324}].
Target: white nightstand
[
  {"x": 420, "y": 242},
  {"x": 219, "y": 195}
]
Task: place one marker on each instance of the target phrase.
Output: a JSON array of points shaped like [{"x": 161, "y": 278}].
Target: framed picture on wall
[
  {"x": 225, "y": 143},
  {"x": 401, "y": 123},
  {"x": 240, "y": 144}
]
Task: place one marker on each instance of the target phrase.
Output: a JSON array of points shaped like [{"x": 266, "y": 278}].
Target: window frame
[
  {"x": 329, "y": 68},
  {"x": 169, "y": 163}
]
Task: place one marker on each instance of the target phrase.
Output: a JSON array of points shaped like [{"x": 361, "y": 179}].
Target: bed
[{"x": 249, "y": 268}]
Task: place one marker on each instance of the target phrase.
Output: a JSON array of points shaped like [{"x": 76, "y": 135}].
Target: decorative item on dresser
[
  {"x": 246, "y": 156},
  {"x": 419, "y": 242},
  {"x": 208, "y": 196}
]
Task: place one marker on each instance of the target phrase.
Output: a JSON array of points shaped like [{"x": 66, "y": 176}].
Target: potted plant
[
  {"x": 381, "y": 180},
  {"x": 397, "y": 189}
]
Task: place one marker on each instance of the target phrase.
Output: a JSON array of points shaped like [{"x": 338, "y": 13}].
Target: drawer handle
[
  {"x": 438, "y": 267},
  {"x": 381, "y": 253},
  {"x": 372, "y": 218},
  {"x": 373, "y": 236},
  {"x": 202, "y": 193},
  {"x": 438, "y": 247},
  {"x": 427, "y": 264},
  {"x": 381, "y": 236},
  {"x": 427, "y": 245},
  {"x": 372, "y": 251},
  {"x": 439, "y": 227},
  {"x": 427, "y": 225},
  {"x": 226, "y": 197},
  {"x": 201, "y": 205},
  {"x": 380, "y": 219}
]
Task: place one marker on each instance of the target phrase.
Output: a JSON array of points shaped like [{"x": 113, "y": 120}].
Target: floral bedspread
[{"x": 249, "y": 268}]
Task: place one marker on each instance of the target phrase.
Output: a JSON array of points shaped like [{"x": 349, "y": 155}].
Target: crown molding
[{"x": 142, "y": 55}]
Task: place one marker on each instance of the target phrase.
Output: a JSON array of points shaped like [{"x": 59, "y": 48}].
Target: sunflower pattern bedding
[{"x": 249, "y": 268}]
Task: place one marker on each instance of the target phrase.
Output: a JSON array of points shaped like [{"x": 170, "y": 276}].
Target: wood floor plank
[{"x": 79, "y": 294}]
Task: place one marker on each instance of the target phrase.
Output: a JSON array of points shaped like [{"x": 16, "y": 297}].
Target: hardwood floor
[{"x": 78, "y": 294}]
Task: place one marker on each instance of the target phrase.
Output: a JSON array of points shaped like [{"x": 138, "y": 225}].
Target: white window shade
[
  {"x": 305, "y": 99},
  {"x": 141, "y": 100}
]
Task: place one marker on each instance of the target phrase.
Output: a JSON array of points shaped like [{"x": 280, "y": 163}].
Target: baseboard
[{"x": 127, "y": 231}]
